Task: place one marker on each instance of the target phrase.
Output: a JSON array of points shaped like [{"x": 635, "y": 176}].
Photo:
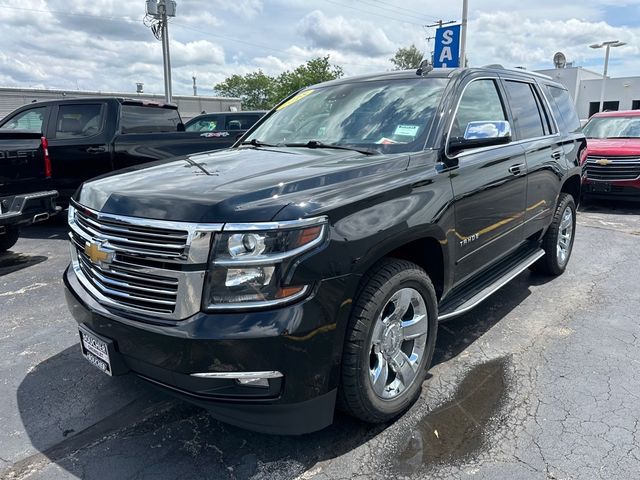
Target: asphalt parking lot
[{"x": 541, "y": 381}]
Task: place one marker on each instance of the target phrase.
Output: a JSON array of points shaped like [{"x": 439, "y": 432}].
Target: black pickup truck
[
  {"x": 310, "y": 264},
  {"x": 88, "y": 137},
  {"x": 25, "y": 194}
]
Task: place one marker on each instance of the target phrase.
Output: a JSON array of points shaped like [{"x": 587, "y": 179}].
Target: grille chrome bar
[
  {"x": 611, "y": 169},
  {"x": 166, "y": 291}
]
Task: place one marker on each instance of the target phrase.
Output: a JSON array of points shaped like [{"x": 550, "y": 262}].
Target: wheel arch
[{"x": 572, "y": 186}]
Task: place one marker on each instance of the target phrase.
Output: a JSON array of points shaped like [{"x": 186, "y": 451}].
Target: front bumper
[
  {"x": 627, "y": 190},
  {"x": 302, "y": 341},
  {"x": 23, "y": 210}
]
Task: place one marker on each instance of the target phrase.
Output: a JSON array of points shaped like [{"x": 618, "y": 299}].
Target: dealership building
[
  {"x": 188, "y": 106},
  {"x": 621, "y": 93}
]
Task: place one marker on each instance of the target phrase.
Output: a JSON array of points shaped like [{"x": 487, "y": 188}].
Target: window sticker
[
  {"x": 385, "y": 141},
  {"x": 408, "y": 130},
  {"x": 295, "y": 99}
]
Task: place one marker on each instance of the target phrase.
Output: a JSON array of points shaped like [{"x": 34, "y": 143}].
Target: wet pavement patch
[{"x": 456, "y": 430}]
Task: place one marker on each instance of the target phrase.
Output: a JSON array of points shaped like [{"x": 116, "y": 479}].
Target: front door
[{"x": 489, "y": 186}]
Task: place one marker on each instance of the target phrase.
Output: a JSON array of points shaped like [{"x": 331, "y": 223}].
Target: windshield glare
[
  {"x": 612, "y": 127},
  {"x": 388, "y": 116}
]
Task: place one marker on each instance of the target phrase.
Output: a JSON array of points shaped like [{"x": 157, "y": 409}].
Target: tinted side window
[
  {"x": 83, "y": 120},
  {"x": 28, "y": 120},
  {"x": 568, "y": 116},
  {"x": 524, "y": 108},
  {"x": 480, "y": 102},
  {"x": 143, "y": 119},
  {"x": 207, "y": 124},
  {"x": 241, "y": 122}
]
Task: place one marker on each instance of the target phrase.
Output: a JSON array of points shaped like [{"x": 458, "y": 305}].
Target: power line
[
  {"x": 395, "y": 6},
  {"x": 417, "y": 17},
  {"x": 381, "y": 15}
]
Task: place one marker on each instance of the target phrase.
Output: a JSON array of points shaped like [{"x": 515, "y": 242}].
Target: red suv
[{"x": 613, "y": 155}]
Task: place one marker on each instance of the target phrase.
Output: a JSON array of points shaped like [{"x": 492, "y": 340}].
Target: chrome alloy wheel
[
  {"x": 565, "y": 234},
  {"x": 398, "y": 343}
]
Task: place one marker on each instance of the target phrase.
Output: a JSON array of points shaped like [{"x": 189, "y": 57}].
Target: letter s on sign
[{"x": 447, "y": 37}]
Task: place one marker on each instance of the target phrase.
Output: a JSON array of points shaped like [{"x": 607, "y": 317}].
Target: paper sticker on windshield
[
  {"x": 408, "y": 130},
  {"x": 295, "y": 99}
]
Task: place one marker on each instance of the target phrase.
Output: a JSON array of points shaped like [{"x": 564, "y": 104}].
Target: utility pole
[
  {"x": 195, "y": 88},
  {"x": 463, "y": 33},
  {"x": 160, "y": 11}
]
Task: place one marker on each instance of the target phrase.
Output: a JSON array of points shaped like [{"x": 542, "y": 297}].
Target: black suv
[{"x": 309, "y": 265}]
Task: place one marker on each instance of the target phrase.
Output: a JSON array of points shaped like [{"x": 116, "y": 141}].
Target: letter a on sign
[{"x": 447, "y": 50}]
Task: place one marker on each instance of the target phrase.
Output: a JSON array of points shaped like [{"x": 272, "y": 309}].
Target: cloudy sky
[{"x": 104, "y": 45}]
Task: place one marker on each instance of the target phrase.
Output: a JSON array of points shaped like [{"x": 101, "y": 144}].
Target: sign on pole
[{"x": 447, "y": 50}]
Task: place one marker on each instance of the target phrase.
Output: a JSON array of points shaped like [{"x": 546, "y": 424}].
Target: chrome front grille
[
  {"x": 151, "y": 267},
  {"x": 610, "y": 169}
]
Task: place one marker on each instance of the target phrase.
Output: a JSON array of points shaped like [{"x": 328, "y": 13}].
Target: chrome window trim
[{"x": 283, "y": 225}]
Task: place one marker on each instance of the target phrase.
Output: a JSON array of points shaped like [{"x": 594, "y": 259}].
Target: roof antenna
[{"x": 424, "y": 68}]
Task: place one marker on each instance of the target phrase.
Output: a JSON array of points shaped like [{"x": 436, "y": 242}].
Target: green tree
[
  {"x": 258, "y": 91},
  {"x": 255, "y": 90},
  {"x": 407, "y": 58},
  {"x": 314, "y": 71}
]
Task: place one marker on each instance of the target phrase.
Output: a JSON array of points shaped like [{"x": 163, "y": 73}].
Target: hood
[
  {"x": 236, "y": 185},
  {"x": 613, "y": 147}
]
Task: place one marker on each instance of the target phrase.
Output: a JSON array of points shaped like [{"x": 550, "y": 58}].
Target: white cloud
[{"x": 338, "y": 33}]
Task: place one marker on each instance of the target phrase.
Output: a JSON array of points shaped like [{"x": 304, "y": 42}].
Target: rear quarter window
[
  {"x": 148, "y": 119},
  {"x": 563, "y": 108}
]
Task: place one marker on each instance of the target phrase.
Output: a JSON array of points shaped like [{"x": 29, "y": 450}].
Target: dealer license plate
[
  {"x": 601, "y": 187},
  {"x": 96, "y": 351}
]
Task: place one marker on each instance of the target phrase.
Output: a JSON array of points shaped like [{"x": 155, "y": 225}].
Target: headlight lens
[{"x": 248, "y": 268}]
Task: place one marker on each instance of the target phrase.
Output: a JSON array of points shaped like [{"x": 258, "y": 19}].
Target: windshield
[
  {"x": 388, "y": 116},
  {"x": 613, "y": 127}
]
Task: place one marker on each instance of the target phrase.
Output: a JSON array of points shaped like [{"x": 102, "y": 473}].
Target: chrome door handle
[
  {"x": 556, "y": 155},
  {"x": 96, "y": 150},
  {"x": 516, "y": 169}
]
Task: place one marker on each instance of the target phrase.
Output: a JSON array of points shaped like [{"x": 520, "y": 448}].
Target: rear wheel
[
  {"x": 558, "y": 241},
  {"x": 389, "y": 343},
  {"x": 9, "y": 238}
]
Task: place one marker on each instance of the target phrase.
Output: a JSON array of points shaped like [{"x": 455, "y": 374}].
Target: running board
[{"x": 458, "y": 306}]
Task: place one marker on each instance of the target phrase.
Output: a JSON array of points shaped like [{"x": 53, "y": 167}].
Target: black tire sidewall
[
  {"x": 417, "y": 279},
  {"x": 9, "y": 238},
  {"x": 566, "y": 202}
]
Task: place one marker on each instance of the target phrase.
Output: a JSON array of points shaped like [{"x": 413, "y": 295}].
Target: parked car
[
  {"x": 88, "y": 137},
  {"x": 613, "y": 155},
  {"x": 232, "y": 124},
  {"x": 25, "y": 196},
  {"x": 310, "y": 264}
]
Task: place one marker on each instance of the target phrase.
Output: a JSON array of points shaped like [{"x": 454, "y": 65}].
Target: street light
[{"x": 608, "y": 45}]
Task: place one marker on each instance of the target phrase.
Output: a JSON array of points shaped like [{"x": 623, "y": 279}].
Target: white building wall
[{"x": 189, "y": 106}]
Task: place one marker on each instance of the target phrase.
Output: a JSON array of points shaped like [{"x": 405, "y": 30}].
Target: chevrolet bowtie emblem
[
  {"x": 97, "y": 253},
  {"x": 603, "y": 161}
]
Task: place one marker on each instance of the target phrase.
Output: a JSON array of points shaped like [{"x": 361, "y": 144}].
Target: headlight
[
  {"x": 71, "y": 215},
  {"x": 250, "y": 263}
]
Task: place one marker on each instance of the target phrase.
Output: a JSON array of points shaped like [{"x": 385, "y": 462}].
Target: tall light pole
[
  {"x": 463, "y": 33},
  {"x": 160, "y": 11},
  {"x": 607, "y": 45}
]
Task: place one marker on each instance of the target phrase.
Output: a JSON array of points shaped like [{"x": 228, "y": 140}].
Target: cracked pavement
[{"x": 540, "y": 381}]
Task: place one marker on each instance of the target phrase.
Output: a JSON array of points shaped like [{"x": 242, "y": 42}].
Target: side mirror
[
  {"x": 482, "y": 134},
  {"x": 180, "y": 127}
]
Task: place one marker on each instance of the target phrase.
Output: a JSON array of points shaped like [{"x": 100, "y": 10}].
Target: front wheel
[
  {"x": 389, "y": 343},
  {"x": 9, "y": 238},
  {"x": 558, "y": 241}
]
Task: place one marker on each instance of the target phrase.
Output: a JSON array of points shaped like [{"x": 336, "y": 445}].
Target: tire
[
  {"x": 9, "y": 238},
  {"x": 553, "y": 263},
  {"x": 373, "y": 346}
]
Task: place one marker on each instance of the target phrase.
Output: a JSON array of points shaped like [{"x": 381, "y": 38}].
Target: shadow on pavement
[
  {"x": 48, "y": 231},
  {"x": 619, "y": 207},
  {"x": 94, "y": 426},
  {"x": 12, "y": 262}
]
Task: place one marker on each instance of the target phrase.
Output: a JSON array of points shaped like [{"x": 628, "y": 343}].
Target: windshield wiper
[
  {"x": 317, "y": 144},
  {"x": 257, "y": 143}
]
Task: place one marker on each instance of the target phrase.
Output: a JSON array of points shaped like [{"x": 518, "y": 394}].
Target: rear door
[
  {"x": 22, "y": 167},
  {"x": 538, "y": 135},
  {"x": 78, "y": 144},
  {"x": 489, "y": 185}
]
